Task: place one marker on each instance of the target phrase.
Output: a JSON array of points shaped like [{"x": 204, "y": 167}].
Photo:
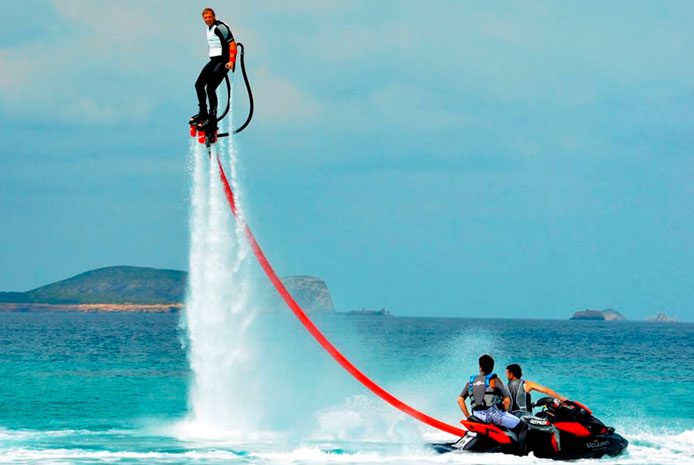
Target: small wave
[
  {"x": 24, "y": 455},
  {"x": 22, "y": 446},
  {"x": 7, "y": 434},
  {"x": 316, "y": 455}
]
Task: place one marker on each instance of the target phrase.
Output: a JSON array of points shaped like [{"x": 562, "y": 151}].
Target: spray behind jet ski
[{"x": 207, "y": 134}]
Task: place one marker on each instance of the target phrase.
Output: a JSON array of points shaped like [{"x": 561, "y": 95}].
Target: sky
[{"x": 520, "y": 159}]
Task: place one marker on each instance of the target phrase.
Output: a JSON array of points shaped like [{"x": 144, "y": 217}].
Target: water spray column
[{"x": 216, "y": 313}]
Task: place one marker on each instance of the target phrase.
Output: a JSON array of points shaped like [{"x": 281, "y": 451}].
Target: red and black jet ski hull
[
  {"x": 595, "y": 447},
  {"x": 566, "y": 431}
]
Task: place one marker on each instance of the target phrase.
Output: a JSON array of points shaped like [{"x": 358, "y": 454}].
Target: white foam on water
[
  {"x": 654, "y": 447},
  {"x": 364, "y": 418},
  {"x": 299, "y": 455},
  {"x": 26, "y": 455},
  {"x": 646, "y": 448},
  {"x": 211, "y": 434}
]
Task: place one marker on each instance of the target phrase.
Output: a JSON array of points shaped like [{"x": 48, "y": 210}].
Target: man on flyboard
[{"x": 222, "y": 51}]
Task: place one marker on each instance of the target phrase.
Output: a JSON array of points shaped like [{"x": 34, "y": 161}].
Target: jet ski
[{"x": 564, "y": 430}]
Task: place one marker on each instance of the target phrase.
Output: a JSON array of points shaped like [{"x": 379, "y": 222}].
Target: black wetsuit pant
[{"x": 211, "y": 76}]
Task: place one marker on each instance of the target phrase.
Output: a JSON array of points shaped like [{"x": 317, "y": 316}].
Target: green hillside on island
[
  {"x": 111, "y": 285},
  {"x": 132, "y": 285}
]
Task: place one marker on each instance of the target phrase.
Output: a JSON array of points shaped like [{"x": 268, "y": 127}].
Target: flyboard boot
[
  {"x": 200, "y": 116},
  {"x": 204, "y": 128},
  {"x": 209, "y": 127},
  {"x": 196, "y": 119}
]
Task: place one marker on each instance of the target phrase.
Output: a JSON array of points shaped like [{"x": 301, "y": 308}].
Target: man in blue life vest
[
  {"x": 222, "y": 52},
  {"x": 519, "y": 389},
  {"x": 489, "y": 398}
]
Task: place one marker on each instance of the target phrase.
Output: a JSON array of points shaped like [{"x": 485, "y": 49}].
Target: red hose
[{"x": 315, "y": 332}]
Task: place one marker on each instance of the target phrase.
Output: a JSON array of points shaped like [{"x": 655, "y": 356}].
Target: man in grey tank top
[{"x": 519, "y": 390}]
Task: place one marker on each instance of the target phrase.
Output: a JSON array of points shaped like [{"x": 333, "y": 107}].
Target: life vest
[
  {"x": 214, "y": 43},
  {"x": 520, "y": 400},
  {"x": 490, "y": 397}
]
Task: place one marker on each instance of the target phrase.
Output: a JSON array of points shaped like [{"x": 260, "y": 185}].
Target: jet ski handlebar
[
  {"x": 545, "y": 402},
  {"x": 548, "y": 402}
]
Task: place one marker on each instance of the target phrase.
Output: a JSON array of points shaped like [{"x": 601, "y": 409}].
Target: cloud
[
  {"x": 88, "y": 111},
  {"x": 49, "y": 84},
  {"x": 280, "y": 100},
  {"x": 15, "y": 70},
  {"x": 111, "y": 66},
  {"x": 119, "y": 62}
]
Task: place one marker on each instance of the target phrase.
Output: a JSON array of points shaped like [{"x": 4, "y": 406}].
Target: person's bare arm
[
  {"x": 463, "y": 407},
  {"x": 531, "y": 386}
]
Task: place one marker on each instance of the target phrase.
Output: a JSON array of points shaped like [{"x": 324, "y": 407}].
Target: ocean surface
[{"x": 116, "y": 388}]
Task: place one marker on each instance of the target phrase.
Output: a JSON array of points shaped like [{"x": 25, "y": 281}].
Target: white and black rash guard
[{"x": 218, "y": 39}]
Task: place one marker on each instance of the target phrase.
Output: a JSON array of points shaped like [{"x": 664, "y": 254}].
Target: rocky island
[
  {"x": 609, "y": 314},
  {"x": 138, "y": 289},
  {"x": 310, "y": 293},
  {"x": 363, "y": 311},
  {"x": 662, "y": 318}
]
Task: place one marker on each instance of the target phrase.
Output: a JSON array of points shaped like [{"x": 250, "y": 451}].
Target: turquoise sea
[{"x": 115, "y": 388}]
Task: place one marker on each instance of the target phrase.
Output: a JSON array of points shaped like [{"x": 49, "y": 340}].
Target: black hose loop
[{"x": 248, "y": 88}]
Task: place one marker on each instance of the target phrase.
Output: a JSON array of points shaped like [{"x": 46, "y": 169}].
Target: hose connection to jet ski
[
  {"x": 248, "y": 89},
  {"x": 321, "y": 339}
]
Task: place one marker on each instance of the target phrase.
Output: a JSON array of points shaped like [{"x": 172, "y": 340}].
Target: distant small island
[
  {"x": 662, "y": 318},
  {"x": 609, "y": 314},
  {"x": 363, "y": 311}
]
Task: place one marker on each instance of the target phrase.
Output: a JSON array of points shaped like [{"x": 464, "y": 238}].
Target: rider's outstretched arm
[{"x": 531, "y": 386}]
